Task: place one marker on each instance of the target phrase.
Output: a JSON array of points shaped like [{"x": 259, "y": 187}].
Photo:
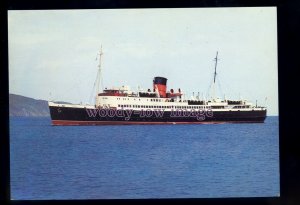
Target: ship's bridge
[{"x": 116, "y": 91}]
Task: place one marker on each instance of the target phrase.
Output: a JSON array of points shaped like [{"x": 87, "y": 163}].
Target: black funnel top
[{"x": 160, "y": 80}]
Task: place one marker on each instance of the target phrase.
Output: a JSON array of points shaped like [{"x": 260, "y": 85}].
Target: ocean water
[{"x": 143, "y": 161}]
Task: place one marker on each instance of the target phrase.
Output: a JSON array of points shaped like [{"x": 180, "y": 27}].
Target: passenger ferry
[{"x": 122, "y": 106}]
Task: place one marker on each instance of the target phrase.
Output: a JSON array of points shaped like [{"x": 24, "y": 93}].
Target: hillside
[{"x": 25, "y": 106}]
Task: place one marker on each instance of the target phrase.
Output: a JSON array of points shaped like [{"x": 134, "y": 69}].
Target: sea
[{"x": 143, "y": 161}]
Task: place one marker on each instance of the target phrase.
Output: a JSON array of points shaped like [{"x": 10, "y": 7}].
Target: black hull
[{"x": 82, "y": 116}]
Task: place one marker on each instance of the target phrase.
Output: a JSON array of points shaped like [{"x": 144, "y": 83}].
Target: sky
[{"x": 52, "y": 53}]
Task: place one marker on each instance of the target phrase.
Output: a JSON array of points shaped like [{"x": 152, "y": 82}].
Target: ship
[{"x": 123, "y": 106}]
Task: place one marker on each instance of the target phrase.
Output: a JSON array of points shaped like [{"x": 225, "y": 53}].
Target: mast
[
  {"x": 99, "y": 76},
  {"x": 215, "y": 75}
]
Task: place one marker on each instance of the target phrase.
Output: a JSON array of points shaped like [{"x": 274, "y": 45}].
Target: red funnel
[{"x": 160, "y": 83}]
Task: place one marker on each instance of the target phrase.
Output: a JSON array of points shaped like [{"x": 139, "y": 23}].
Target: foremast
[{"x": 99, "y": 80}]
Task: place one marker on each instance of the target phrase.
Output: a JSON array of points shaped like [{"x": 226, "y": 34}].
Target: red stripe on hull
[{"x": 70, "y": 122}]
